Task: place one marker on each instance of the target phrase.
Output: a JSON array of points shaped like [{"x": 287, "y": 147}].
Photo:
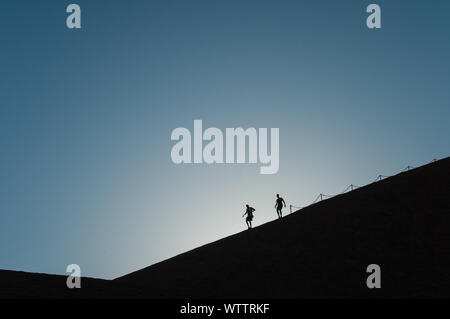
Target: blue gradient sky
[{"x": 86, "y": 117}]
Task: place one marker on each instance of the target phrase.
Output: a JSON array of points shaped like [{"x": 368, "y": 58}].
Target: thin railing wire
[{"x": 350, "y": 188}]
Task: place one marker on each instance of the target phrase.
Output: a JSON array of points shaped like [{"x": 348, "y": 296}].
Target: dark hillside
[{"x": 401, "y": 223}]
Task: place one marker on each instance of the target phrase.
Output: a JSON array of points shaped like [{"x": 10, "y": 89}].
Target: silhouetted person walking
[
  {"x": 249, "y": 212},
  {"x": 279, "y": 205}
]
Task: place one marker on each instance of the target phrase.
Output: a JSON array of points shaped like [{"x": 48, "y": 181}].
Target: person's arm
[
  {"x": 284, "y": 203},
  {"x": 244, "y": 214}
]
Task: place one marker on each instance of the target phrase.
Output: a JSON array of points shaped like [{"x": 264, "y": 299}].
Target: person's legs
[{"x": 279, "y": 212}]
